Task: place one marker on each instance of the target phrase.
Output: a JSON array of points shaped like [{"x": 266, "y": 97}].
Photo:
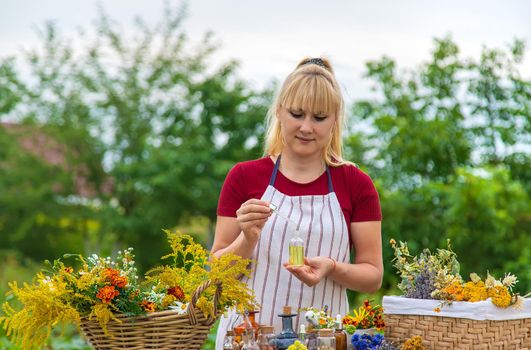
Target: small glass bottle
[
  {"x": 296, "y": 249},
  {"x": 326, "y": 339},
  {"x": 249, "y": 334},
  {"x": 339, "y": 334},
  {"x": 296, "y": 242},
  {"x": 249, "y": 318},
  {"x": 302, "y": 333},
  {"x": 238, "y": 338},
  {"x": 266, "y": 338},
  {"x": 228, "y": 342},
  {"x": 287, "y": 337}
]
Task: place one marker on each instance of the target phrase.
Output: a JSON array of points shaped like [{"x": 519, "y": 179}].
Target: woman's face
[{"x": 305, "y": 133}]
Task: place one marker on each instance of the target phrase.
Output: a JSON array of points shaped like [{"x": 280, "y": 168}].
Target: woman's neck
[{"x": 301, "y": 170}]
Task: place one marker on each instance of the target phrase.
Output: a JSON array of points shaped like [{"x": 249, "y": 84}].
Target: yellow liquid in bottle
[{"x": 296, "y": 255}]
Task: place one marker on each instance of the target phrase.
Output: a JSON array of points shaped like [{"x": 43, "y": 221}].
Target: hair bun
[{"x": 319, "y": 61}]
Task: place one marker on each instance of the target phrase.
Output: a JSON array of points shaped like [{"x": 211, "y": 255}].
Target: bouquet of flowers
[
  {"x": 318, "y": 319},
  {"x": 102, "y": 287},
  {"x": 436, "y": 276},
  {"x": 365, "y": 317}
]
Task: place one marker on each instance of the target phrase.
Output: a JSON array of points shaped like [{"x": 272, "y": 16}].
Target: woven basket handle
[{"x": 191, "y": 306}]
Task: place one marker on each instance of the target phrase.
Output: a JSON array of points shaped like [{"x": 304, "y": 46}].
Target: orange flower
[
  {"x": 455, "y": 291},
  {"x": 177, "y": 292},
  {"x": 349, "y": 320},
  {"x": 111, "y": 273},
  {"x": 148, "y": 306},
  {"x": 68, "y": 269},
  {"x": 107, "y": 293},
  {"x": 437, "y": 309},
  {"x": 119, "y": 281}
]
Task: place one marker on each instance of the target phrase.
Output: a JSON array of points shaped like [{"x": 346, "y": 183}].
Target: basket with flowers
[
  {"x": 451, "y": 313},
  {"x": 366, "y": 319},
  {"x": 172, "y": 309}
]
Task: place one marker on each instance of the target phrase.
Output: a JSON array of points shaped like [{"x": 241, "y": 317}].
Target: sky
[{"x": 269, "y": 38}]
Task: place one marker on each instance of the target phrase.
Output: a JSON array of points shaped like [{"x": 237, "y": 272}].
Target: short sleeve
[
  {"x": 366, "y": 203},
  {"x": 232, "y": 193}
]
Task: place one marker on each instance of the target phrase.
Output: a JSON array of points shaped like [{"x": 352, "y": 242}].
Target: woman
[{"x": 332, "y": 203}]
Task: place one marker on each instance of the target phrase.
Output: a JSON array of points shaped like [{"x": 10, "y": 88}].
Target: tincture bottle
[
  {"x": 296, "y": 249},
  {"x": 287, "y": 337},
  {"x": 339, "y": 334}
]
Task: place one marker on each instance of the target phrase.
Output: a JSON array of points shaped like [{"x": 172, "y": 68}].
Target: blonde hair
[{"x": 311, "y": 87}]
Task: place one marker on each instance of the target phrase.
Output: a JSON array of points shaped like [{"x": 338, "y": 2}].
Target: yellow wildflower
[
  {"x": 413, "y": 343},
  {"x": 500, "y": 296},
  {"x": 168, "y": 300},
  {"x": 85, "y": 281},
  {"x": 475, "y": 291}
]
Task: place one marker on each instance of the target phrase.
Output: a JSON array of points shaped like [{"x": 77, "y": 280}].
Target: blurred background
[{"x": 119, "y": 119}]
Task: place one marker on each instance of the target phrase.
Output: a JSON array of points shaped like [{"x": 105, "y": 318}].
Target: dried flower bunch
[
  {"x": 103, "y": 287},
  {"x": 436, "y": 276},
  {"x": 366, "y": 316},
  {"x": 420, "y": 275}
]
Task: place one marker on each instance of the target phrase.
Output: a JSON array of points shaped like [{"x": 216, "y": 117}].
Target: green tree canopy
[
  {"x": 148, "y": 118},
  {"x": 448, "y": 145}
]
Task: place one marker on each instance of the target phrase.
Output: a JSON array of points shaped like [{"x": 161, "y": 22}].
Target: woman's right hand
[{"x": 252, "y": 217}]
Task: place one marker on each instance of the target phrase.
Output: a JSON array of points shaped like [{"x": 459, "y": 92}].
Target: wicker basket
[
  {"x": 158, "y": 330},
  {"x": 440, "y": 332}
]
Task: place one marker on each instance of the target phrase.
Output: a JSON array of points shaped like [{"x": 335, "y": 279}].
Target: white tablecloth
[{"x": 481, "y": 310}]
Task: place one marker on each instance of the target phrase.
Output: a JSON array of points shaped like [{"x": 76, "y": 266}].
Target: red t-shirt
[{"x": 354, "y": 189}]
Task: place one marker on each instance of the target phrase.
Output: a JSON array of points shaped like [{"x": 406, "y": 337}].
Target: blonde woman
[{"x": 332, "y": 203}]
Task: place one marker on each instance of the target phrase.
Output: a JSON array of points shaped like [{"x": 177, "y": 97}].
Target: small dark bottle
[{"x": 288, "y": 336}]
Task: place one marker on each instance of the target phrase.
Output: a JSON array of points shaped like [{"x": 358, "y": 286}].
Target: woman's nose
[{"x": 306, "y": 125}]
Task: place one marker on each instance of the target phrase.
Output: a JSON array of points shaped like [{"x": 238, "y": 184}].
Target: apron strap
[{"x": 275, "y": 172}]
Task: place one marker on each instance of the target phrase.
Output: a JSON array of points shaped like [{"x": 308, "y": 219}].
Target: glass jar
[
  {"x": 311, "y": 341},
  {"x": 326, "y": 339},
  {"x": 266, "y": 338}
]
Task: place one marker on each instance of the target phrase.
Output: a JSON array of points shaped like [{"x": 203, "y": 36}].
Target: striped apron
[{"x": 321, "y": 223}]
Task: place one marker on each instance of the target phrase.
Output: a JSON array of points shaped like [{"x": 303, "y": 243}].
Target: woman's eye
[
  {"x": 319, "y": 118},
  {"x": 295, "y": 114}
]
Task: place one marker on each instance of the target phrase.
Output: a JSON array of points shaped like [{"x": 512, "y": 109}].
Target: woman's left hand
[{"x": 313, "y": 270}]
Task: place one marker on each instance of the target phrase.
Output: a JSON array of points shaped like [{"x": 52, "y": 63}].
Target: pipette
[
  {"x": 275, "y": 209},
  {"x": 296, "y": 241}
]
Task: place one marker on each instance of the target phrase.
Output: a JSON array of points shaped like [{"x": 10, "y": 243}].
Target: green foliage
[
  {"x": 145, "y": 121},
  {"x": 445, "y": 143}
]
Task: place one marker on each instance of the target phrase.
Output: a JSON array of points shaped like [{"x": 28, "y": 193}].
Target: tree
[
  {"x": 163, "y": 120},
  {"x": 444, "y": 144}
]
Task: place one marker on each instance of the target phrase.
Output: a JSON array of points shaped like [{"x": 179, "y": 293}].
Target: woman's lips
[{"x": 303, "y": 139}]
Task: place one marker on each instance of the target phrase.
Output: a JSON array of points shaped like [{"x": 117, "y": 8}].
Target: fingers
[{"x": 253, "y": 209}]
